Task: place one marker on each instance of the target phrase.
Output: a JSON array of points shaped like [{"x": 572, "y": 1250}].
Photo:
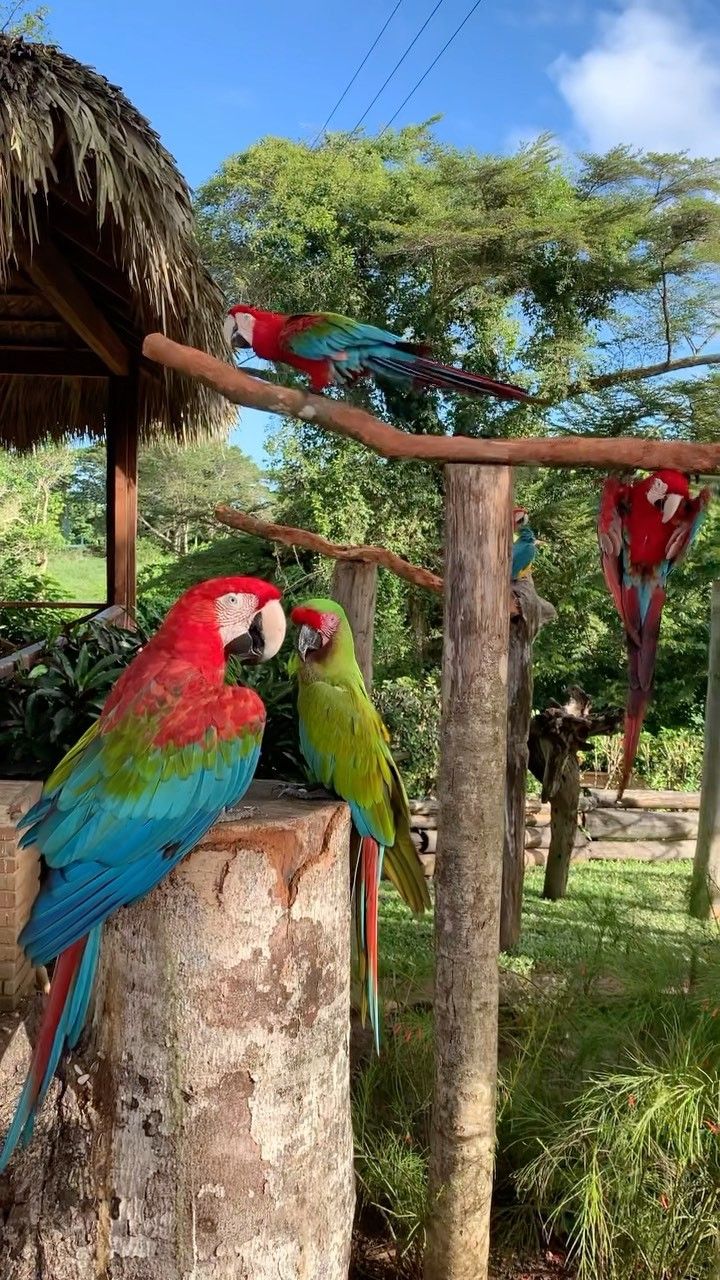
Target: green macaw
[{"x": 345, "y": 745}]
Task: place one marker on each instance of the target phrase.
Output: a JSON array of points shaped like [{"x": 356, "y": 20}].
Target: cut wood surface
[
  {"x": 647, "y": 799},
  {"x": 642, "y": 824},
  {"x": 641, "y": 850},
  {"x": 615, "y": 453}
]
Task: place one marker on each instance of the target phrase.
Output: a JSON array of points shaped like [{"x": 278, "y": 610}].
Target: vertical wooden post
[
  {"x": 354, "y": 586},
  {"x": 122, "y": 435},
  {"x": 469, "y": 868},
  {"x": 705, "y": 891},
  {"x": 524, "y": 626}
]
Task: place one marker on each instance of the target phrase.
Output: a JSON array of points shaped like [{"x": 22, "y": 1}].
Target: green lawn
[
  {"x": 613, "y": 913},
  {"x": 79, "y": 575}
]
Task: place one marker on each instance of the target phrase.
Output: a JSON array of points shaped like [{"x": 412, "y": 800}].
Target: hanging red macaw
[
  {"x": 334, "y": 350},
  {"x": 173, "y": 746},
  {"x": 644, "y": 529}
]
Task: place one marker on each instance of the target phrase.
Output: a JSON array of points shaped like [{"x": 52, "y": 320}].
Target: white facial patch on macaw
[
  {"x": 229, "y": 329},
  {"x": 245, "y": 325},
  {"x": 656, "y": 492},
  {"x": 234, "y": 613},
  {"x": 329, "y": 624}
]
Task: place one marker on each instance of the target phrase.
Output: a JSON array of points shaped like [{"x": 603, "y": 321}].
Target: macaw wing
[
  {"x": 687, "y": 530},
  {"x": 120, "y": 813},
  {"x": 342, "y": 740},
  {"x": 523, "y": 555},
  {"x": 611, "y": 537},
  {"x": 327, "y": 336}
]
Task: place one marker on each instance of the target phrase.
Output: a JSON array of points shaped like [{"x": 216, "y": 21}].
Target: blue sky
[{"x": 214, "y": 77}]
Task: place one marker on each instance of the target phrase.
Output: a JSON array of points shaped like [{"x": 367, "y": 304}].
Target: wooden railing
[{"x": 26, "y": 657}]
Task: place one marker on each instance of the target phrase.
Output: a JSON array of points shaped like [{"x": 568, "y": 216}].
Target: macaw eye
[{"x": 232, "y": 599}]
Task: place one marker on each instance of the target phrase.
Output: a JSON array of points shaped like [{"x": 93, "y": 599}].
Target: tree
[
  {"x": 20, "y": 18},
  {"x": 597, "y": 277}
]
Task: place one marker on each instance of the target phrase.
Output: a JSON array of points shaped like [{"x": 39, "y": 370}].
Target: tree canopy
[{"x": 591, "y": 280}]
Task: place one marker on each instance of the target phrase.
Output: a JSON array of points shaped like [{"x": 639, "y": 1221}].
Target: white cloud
[{"x": 650, "y": 79}]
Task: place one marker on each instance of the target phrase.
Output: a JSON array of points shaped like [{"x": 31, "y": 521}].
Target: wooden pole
[
  {"x": 705, "y": 891},
  {"x": 469, "y": 868},
  {"x": 354, "y": 586},
  {"x": 533, "y": 613},
  {"x": 122, "y": 438}
]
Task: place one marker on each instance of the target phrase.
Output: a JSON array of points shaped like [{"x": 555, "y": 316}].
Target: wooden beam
[
  {"x": 618, "y": 453},
  {"x": 55, "y": 278},
  {"x": 354, "y": 586},
  {"x": 35, "y": 362},
  {"x": 468, "y": 871},
  {"x": 122, "y": 434}
]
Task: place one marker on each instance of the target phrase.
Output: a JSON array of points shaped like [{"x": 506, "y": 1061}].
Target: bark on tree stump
[
  {"x": 19, "y": 877},
  {"x": 203, "y": 1133}
]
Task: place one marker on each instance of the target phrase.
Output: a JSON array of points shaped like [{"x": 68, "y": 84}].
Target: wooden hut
[{"x": 97, "y": 248}]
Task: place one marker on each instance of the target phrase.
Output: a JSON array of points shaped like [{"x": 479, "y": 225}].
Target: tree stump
[
  {"x": 556, "y": 736},
  {"x": 532, "y": 614},
  {"x": 203, "y": 1132}
]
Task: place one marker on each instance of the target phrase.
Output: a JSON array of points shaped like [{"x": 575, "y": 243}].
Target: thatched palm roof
[{"x": 85, "y": 179}]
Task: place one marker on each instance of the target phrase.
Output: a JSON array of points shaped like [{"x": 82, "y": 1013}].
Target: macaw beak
[
  {"x": 264, "y": 637},
  {"x": 233, "y": 336},
  {"x": 308, "y": 641},
  {"x": 670, "y": 506}
]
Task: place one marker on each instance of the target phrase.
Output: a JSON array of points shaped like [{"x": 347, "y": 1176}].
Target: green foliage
[
  {"x": 162, "y": 582},
  {"x": 19, "y": 627},
  {"x": 670, "y": 760},
  {"x": 22, "y": 18},
  {"x": 45, "y": 710},
  {"x": 410, "y": 708}
]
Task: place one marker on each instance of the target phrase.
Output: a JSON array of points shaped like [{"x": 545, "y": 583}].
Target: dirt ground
[{"x": 374, "y": 1260}]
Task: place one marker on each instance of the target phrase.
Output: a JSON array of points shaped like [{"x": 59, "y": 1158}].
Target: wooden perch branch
[
  {"x": 292, "y": 537},
  {"x": 617, "y": 453}
]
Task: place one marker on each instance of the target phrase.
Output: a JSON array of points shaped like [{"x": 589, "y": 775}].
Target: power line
[
  {"x": 434, "y": 62},
  {"x": 351, "y": 82},
  {"x": 398, "y": 64}
]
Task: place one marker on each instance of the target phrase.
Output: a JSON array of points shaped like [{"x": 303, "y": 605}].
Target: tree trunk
[
  {"x": 354, "y": 586},
  {"x": 563, "y": 829},
  {"x": 534, "y": 613},
  {"x": 705, "y": 891},
  {"x": 205, "y": 1132},
  {"x": 469, "y": 868}
]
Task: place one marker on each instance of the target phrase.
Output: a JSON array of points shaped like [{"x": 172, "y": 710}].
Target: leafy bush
[
  {"x": 410, "y": 707},
  {"x": 45, "y": 710},
  {"x": 669, "y": 760},
  {"x": 19, "y": 627}
]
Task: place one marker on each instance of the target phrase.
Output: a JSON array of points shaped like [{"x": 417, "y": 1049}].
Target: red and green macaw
[
  {"x": 644, "y": 529},
  {"x": 334, "y": 350},
  {"x": 345, "y": 746},
  {"x": 174, "y": 745}
]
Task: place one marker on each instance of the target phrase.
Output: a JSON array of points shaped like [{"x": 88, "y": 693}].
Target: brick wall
[{"x": 19, "y": 877}]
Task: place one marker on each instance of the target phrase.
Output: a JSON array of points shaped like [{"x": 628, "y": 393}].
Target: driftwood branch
[
  {"x": 292, "y": 537},
  {"x": 616, "y": 453}
]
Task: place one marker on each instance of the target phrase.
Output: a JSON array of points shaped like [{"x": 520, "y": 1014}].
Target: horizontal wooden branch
[
  {"x": 618, "y": 453},
  {"x": 639, "y": 373},
  {"x": 291, "y": 537}
]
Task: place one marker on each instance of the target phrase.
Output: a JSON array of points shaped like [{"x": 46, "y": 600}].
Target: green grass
[
  {"x": 609, "y": 1078},
  {"x": 80, "y": 575}
]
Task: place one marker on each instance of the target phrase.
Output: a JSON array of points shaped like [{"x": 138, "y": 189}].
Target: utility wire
[
  {"x": 351, "y": 82},
  {"x": 434, "y": 62},
  {"x": 398, "y": 64}
]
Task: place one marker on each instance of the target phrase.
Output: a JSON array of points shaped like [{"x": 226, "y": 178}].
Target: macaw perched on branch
[
  {"x": 174, "y": 745},
  {"x": 644, "y": 529},
  {"x": 524, "y": 547},
  {"x": 334, "y": 350},
  {"x": 345, "y": 745}
]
